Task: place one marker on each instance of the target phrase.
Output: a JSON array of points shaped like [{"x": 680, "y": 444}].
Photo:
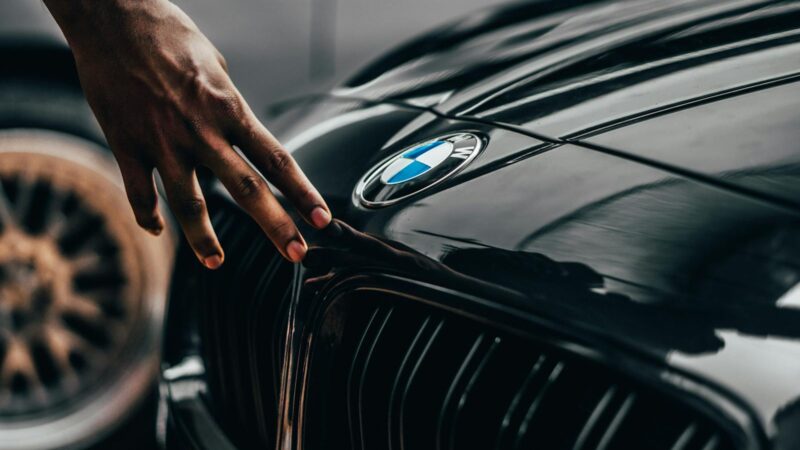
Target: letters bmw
[{"x": 416, "y": 169}]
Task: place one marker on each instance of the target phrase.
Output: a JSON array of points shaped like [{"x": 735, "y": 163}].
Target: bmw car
[{"x": 559, "y": 225}]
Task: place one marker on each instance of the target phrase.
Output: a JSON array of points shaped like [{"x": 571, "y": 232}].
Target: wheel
[{"x": 82, "y": 287}]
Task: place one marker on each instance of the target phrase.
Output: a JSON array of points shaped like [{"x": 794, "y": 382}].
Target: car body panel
[
  {"x": 692, "y": 274},
  {"x": 652, "y": 218},
  {"x": 563, "y": 68},
  {"x": 749, "y": 141},
  {"x": 638, "y": 263}
]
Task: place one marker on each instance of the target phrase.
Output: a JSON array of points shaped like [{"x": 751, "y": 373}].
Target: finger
[
  {"x": 252, "y": 193},
  {"x": 269, "y": 156},
  {"x": 141, "y": 190},
  {"x": 189, "y": 206}
]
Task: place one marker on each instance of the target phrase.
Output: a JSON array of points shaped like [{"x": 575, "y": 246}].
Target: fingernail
[
  {"x": 320, "y": 218},
  {"x": 296, "y": 251},
  {"x": 213, "y": 261}
]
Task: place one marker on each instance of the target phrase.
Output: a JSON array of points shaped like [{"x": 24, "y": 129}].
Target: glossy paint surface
[
  {"x": 638, "y": 188},
  {"x": 701, "y": 277},
  {"x": 749, "y": 141},
  {"x": 564, "y": 68},
  {"x": 278, "y": 49}
]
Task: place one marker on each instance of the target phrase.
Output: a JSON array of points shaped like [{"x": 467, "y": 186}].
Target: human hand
[{"x": 163, "y": 97}]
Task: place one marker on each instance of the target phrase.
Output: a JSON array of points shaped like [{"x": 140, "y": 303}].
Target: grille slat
[
  {"x": 512, "y": 418},
  {"x": 241, "y": 298},
  {"x": 683, "y": 440},
  {"x": 712, "y": 443},
  {"x": 366, "y": 347},
  {"x": 405, "y": 376},
  {"x": 238, "y": 307},
  {"x": 552, "y": 376},
  {"x": 260, "y": 391},
  {"x": 420, "y": 378},
  {"x": 383, "y": 363},
  {"x": 481, "y": 350},
  {"x": 464, "y": 395},
  {"x": 424, "y": 394},
  {"x": 264, "y": 362},
  {"x": 590, "y": 426},
  {"x": 616, "y": 422},
  {"x": 480, "y": 419},
  {"x": 352, "y": 397}
]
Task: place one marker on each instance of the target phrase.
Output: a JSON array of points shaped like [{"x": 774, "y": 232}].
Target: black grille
[
  {"x": 241, "y": 321},
  {"x": 398, "y": 374}
]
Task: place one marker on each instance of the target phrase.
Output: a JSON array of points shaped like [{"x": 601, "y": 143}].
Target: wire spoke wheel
[{"x": 81, "y": 293}]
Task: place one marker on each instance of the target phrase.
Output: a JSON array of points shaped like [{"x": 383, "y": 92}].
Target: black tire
[{"x": 49, "y": 105}]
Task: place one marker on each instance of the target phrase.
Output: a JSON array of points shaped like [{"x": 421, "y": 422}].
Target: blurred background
[
  {"x": 82, "y": 289},
  {"x": 294, "y": 46}
]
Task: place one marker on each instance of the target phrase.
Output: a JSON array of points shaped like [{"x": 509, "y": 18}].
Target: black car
[{"x": 561, "y": 225}]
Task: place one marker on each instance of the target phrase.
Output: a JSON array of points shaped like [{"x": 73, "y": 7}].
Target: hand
[{"x": 163, "y": 97}]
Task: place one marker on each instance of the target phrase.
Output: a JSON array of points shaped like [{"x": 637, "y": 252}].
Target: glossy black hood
[
  {"x": 706, "y": 88},
  {"x": 699, "y": 272},
  {"x": 563, "y": 67},
  {"x": 639, "y": 189}
]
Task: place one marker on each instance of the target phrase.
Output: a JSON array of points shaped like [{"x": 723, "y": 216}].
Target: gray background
[{"x": 295, "y": 46}]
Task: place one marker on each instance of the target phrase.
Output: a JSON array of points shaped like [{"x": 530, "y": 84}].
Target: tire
[{"x": 82, "y": 287}]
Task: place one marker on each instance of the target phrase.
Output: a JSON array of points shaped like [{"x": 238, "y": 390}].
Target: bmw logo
[{"x": 417, "y": 168}]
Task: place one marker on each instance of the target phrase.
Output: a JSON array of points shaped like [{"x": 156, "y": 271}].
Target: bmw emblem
[{"x": 417, "y": 168}]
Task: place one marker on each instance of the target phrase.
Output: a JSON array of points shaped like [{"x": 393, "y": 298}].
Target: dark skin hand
[{"x": 163, "y": 97}]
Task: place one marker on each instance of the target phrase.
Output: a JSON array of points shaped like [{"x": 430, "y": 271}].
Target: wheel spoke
[
  {"x": 24, "y": 195},
  {"x": 72, "y": 276},
  {"x": 6, "y": 215},
  {"x": 55, "y": 219},
  {"x": 84, "y": 308},
  {"x": 17, "y": 362},
  {"x": 77, "y": 345}
]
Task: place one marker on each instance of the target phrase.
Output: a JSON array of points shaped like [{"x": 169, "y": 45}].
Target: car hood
[
  {"x": 628, "y": 189},
  {"x": 699, "y": 272},
  {"x": 563, "y": 68},
  {"x": 705, "y": 89}
]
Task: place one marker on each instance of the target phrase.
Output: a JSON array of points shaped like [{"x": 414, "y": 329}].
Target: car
[{"x": 559, "y": 225}]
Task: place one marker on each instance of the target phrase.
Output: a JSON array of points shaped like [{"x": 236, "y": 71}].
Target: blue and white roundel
[
  {"x": 416, "y": 169},
  {"x": 417, "y": 161}
]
